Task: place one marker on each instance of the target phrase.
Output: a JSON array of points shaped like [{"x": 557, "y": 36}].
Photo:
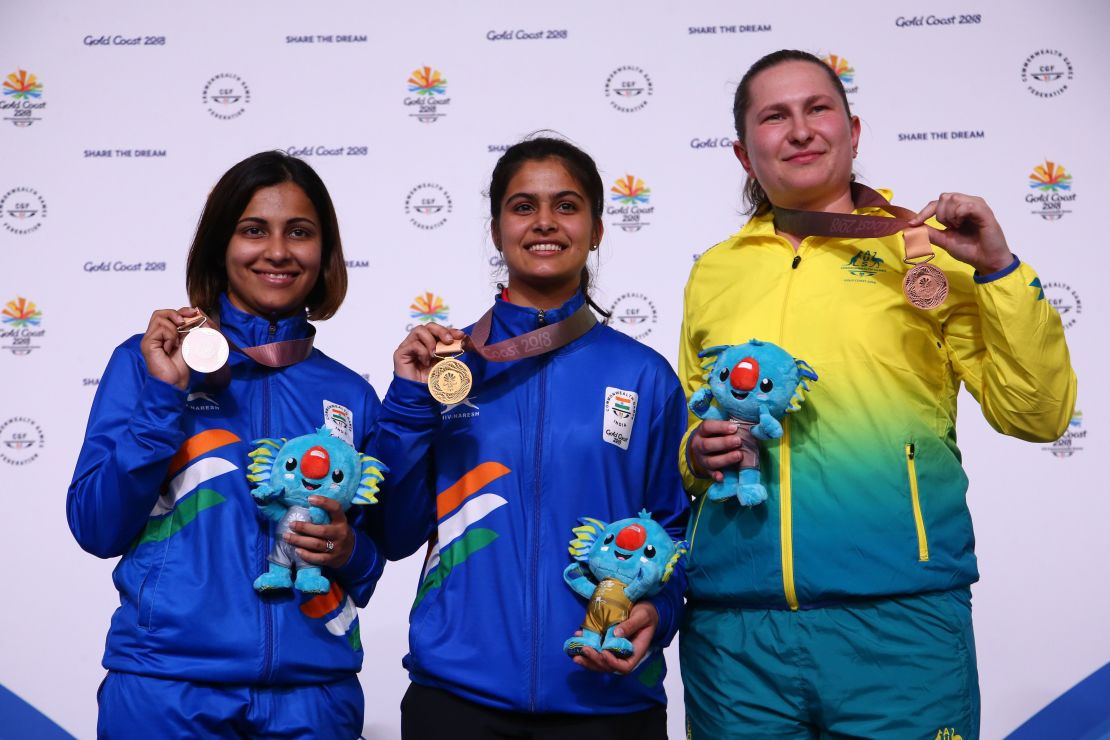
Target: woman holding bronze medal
[
  {"x": 546, "y": 416},
  {"x": 841, "y": 606},
  {"x": 161, "y": 480}
]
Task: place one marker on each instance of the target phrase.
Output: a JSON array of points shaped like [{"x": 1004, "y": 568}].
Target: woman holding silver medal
[
  {"x": 526, "y": 437},
  {"x": 161, "y": 480},
  {"x": 841, "y": 606}
]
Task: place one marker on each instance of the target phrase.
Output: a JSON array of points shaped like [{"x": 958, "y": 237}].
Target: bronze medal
[
  {"x": 449, "y": 381},
  {"x": 925, "y": 286}
]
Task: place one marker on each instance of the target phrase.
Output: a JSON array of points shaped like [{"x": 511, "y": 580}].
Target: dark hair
[
  {"x": 754, "y": 194},
  {"x": 579, "y": 165},
  {"x": 206, "y": 269}
]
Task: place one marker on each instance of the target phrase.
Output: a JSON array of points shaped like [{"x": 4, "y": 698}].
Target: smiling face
[
  {"x": 273, "y": 258},
  {"x": 545, "y": 230},
  {"x": 799, "y": 141}
]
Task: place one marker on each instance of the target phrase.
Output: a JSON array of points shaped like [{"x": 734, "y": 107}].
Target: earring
[{"x": 594, "y": 247}]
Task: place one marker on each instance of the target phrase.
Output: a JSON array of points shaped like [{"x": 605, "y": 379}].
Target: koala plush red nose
[
  {"x": 745, "y": 374},
  {"x": 632, "y": 537},
  {"x": 315, "y": 463}
]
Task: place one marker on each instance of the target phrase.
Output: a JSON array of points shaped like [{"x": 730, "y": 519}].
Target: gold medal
[
  {"x": 449, "y": 381},
  {"x": 925, "y": 286}
]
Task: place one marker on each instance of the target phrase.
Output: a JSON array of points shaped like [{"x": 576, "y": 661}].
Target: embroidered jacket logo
[
  {"x": 864, "y": 265},
  {"x": 948, "y": 733}
]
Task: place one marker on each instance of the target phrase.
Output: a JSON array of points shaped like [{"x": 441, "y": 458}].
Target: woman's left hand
[
  {"x": 972, "y": 233},
  {"x": 639, "y": 629},
  {"x": 311, "y": 540}
]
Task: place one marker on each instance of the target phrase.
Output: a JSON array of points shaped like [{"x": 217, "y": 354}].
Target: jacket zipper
[
  {"x": 918, "y": 520},
  {"x": 786, "y": 512},
  {"x": 536, "y": 500},
  {"x": 268, "y": 535}
]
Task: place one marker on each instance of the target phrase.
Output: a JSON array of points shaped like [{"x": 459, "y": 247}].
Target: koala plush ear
[
  {"x": 805, "y": 372},
  {"x": 373, "y": 473},
  {"x": 584, "y": 538},
  {"x": 262, "y": 460}
]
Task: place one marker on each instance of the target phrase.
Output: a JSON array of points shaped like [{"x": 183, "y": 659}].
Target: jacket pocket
[
  {"x": 915, "y": 500},
  {"x": 148, "y": 590}
]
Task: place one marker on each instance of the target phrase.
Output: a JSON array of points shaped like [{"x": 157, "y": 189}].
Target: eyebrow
[
  {"x": 560, "y": 194},
  {"x": 260, "y": 220},
  {"x": 808, "y": 101}
]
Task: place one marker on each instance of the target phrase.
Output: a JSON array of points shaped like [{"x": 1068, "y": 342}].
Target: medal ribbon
[
  {"x": 536, "y": 342},
  {"x": 852, "y": 226},
  {"x": 280, "y": 354}
]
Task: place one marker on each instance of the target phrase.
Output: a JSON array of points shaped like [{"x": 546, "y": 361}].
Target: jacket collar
[
  {"x": 510, "y": 320},
  {"x": 248, "y": 330}
]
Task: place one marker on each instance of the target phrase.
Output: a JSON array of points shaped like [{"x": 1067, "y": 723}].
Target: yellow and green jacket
[{"x": 866, "y": 488}]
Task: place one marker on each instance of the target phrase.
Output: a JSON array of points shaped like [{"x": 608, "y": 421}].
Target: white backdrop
[{"x": 954, "y": 96}]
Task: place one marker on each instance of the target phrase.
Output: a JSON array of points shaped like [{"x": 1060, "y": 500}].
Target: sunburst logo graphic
[
  {"x": 427, "y": 81},
  {"x": 22, "y": 85},
  {"x": 630, "y": 190},
  {"x": 21, "y": 312},
  {"x": 1049, "y": 178},
  {"x": 428, "y": 307},
  {"x": 840, "y": 66}
]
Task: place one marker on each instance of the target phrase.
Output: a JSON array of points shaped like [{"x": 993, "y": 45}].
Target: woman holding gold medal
[
  {"x": 193, "y": 650},
  {"x": 841, "y": 606},
  {"x": 547, "y": 416}
]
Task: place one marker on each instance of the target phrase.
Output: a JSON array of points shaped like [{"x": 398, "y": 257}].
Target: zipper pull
[
  {"x": 910, "y": 450},
  {"x": 273, "y": 328},
  {"x": 542, "y": 318},
  {"x": 794, "y": 264}
]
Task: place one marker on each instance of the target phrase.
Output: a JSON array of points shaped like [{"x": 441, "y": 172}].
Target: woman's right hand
[
  {"x": 161, "y": 345},
  {"x": 417, "y": 353},
  {"x": 713, "y": 446}
]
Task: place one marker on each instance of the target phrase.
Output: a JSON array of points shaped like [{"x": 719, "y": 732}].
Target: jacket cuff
[
  {"x": 668, "y": 625},
  {"x": 981, "y": 279},
  {"x": 695, "y": 484},
  {"x": 365, "y": 563},
  {"x": 410, "y": 399}
]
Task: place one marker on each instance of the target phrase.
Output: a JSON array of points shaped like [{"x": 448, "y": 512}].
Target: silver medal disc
[{"x": 204, "y": 350}]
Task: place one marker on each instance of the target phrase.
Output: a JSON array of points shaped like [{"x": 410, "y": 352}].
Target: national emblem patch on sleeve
[{"x": 340, "y": 421}]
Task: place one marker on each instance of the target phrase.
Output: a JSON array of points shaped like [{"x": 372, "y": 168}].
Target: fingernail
[{"x": 733, "y": 427}]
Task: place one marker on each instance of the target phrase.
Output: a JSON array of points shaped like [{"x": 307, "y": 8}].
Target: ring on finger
[{"x": 329, "y": 545}]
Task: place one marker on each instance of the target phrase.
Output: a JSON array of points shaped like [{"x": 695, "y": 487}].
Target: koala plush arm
[
  {"x": 701, "y": 404},
  {"x": 576, "y": 579},
  {"x": 318, "y": 515},
  {"x": 768, "y": 426}
]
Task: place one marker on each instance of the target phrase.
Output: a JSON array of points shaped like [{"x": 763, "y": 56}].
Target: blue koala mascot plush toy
[
  {"x": 625, "y": 561},
  {"x": 285, "y": 473},
  {"x": 753, "y": 385}
]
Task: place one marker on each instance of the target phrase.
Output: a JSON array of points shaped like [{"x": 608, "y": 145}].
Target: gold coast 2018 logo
[
  {"x": 628, "y": 88},
  {"x": 845, "y": 72},
  {"x": 1052, "y": 195},
  {"x": 20, "y": 326},
  {"x": 22, "y": 103},
  {"x": 226, "y": 96},
  {"x": 631, "y": 198},
  {"x": 428, "y": 95}
]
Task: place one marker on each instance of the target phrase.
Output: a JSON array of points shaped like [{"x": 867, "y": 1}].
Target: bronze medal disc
[
  {"x": 449, "y": 381},
  {"x": 925, "y": 286},
  {"x": 204, "y": 350}
]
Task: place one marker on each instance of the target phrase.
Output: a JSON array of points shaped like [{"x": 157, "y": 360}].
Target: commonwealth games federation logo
[
  {"x": 427, "y": 206},
  {"x": 20, "y": 440},
  {"x": 631, "y": 198},
  {"x": 628, "y": 88},
  {"x": 226, "y": 96},
  {"x": 22, "y": 101},
  {"x": 1066, "y": 302},
  {"x": 1052, "y": 191},
  {"x": 427, "y": 94},
  {"x": 1046, "y": 73},
  {"x": 22, "y": 210},
  {"x": 633, "y": 314}
]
